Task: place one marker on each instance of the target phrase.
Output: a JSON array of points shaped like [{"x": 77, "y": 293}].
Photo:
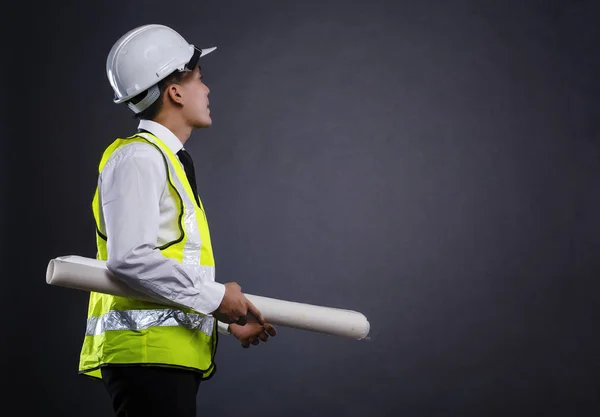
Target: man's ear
[{"x": 173, "y": 92}]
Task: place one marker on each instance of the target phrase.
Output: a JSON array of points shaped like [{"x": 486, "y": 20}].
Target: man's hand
[
  {"x": 252, "y": 333},
  {"x": 235, "y": 307}
]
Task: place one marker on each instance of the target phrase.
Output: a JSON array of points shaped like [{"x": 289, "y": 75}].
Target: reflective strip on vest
[{"x": 143, "y": 319}]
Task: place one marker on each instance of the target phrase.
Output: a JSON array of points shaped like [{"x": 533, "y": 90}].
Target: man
[{"x": 153, "y": 233}]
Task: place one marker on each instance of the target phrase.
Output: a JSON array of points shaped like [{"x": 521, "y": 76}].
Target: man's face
[{"x": 196, "y": 109}]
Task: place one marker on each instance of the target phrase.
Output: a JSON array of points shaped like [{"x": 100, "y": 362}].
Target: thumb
[{"x": 256, "y": 313}]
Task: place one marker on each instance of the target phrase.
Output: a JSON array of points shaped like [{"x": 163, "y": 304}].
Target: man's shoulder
[{"x": 135, "y": 151}]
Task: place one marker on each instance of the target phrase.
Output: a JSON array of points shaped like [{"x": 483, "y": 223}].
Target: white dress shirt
[{"x": 138, "y": 215}]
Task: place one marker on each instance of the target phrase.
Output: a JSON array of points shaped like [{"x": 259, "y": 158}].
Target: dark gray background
[{"x": 431, "y": 164}]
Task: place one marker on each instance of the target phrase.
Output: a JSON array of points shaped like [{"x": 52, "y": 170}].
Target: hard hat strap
[
  {"x": 143, "y": 104},
  {"x": 193, "y": 60}
]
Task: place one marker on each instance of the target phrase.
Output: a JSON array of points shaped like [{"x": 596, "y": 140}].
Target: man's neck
[{"x": 179, "y": 129}]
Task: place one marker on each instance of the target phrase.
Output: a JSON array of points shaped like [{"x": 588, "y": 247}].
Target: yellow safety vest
[{"x": 126, "y": 331}]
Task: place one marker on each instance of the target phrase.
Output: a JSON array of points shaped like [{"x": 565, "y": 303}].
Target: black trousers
[{"x": 151, "y": 391}]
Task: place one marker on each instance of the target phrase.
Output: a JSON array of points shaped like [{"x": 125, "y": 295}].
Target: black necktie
[{"x": 188, "y": 165}]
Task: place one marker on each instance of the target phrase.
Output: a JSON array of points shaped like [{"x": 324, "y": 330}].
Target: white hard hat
[{"x": 144, "y": 56}]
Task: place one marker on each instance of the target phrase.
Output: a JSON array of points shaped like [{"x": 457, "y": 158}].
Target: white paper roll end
[
  {"x": 366, "y": 330},
  {"x": 50, "y": 271}
]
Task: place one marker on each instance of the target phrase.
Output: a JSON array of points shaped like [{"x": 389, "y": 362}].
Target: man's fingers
[
  {"x": 270, "y": 329},
  {"x": 254, "y": 340},
  {"x": 242, "y": 321},
  {"x": 245, "y": 344},
  {"x": 263, "y": 336}
]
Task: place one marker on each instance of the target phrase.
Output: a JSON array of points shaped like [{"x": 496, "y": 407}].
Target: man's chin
[{"x": 204, "y": 124}]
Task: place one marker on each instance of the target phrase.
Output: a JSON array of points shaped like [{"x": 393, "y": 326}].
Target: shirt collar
[{"x": 163, "y": 133}]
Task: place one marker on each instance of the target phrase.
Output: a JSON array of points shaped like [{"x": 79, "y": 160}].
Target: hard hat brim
[{"x": 207, "y": 51}]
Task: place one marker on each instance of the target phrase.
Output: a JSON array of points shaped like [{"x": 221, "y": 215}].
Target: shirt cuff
[
  {"x": 212, "y": 295},
  {"x": 223, "y": 327}
]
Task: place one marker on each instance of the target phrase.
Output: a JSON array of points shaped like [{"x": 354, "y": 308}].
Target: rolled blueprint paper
[{"x": 88, "y": 274}]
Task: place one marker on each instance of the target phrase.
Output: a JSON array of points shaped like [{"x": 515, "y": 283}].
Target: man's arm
[{"x": 130, "y": 187}]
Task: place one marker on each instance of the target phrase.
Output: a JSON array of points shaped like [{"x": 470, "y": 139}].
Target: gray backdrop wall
[{"x": 432, "y": 164}]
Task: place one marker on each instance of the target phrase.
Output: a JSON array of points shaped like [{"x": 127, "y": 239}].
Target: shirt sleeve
[{"x": 130, "y": 187}]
